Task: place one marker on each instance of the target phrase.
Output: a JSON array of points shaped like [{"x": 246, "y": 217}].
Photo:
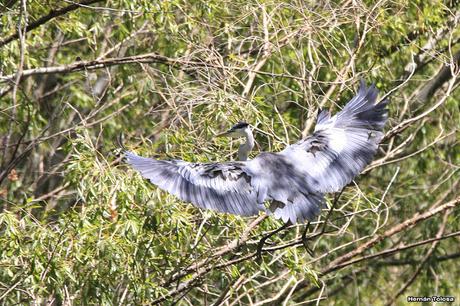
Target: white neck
[{"x": 245, "y": 148}]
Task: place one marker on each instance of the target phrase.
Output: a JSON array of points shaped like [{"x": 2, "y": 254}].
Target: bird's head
[{"x": 241, "y": 129}]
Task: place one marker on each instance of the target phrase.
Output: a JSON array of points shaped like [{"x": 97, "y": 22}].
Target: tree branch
[
  {"x": 42, "y": 20},
  {"x": 337, "y": 263},
  {"x": 424, "y": 260}
]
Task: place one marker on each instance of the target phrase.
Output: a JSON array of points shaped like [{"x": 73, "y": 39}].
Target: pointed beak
[{"x": 226, "y": 133}]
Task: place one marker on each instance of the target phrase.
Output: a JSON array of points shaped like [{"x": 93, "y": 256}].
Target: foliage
[{"x": 77, "y": 226}]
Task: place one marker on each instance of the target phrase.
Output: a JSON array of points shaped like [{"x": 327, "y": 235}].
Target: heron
[{"x": 296, "y": 178}]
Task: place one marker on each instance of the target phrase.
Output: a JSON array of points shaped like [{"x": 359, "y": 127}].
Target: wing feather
[
  {"x": 342, "y": 145},
  {"x": 225, "y": 187}
]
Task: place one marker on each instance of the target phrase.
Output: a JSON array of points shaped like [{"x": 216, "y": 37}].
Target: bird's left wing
[{"x": 224, "y": 187}]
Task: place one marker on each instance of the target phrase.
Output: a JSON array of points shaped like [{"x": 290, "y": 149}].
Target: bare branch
[{"x": 42, "y": 20}]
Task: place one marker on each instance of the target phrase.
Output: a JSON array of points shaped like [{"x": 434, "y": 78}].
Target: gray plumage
[{"x": 296, "y": 178}]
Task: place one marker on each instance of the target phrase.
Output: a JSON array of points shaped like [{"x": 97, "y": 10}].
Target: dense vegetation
[{"x": 77, "y": 226}]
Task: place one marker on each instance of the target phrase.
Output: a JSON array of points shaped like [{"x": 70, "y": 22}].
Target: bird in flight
[{"x": 296, "y": 178}]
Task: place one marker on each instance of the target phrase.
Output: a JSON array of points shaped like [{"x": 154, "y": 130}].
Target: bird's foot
[
  {"x": 262, "y": 241},
  {"x": 305, "y": 240}
]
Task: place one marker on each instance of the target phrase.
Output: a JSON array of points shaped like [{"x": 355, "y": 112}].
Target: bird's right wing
[
  {"x": 224, "y": 187},
  {"x": 342, "y": 145}
]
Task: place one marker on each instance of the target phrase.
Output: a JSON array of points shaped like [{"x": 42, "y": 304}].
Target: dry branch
[
  {"x": 341, "y": 260},
  {"x": 44, "y": 19}
]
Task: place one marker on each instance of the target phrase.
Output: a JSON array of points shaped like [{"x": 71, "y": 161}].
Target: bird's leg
[
  {"x": 304, "y": 240},
  {"x": 263, "y": 239},
  {"x": 329, "y": 213}
]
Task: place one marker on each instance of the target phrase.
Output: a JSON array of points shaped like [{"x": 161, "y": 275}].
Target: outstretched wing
[
  {"x": 225, "y": 187},
  {"x": 342, "y": 145}
]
